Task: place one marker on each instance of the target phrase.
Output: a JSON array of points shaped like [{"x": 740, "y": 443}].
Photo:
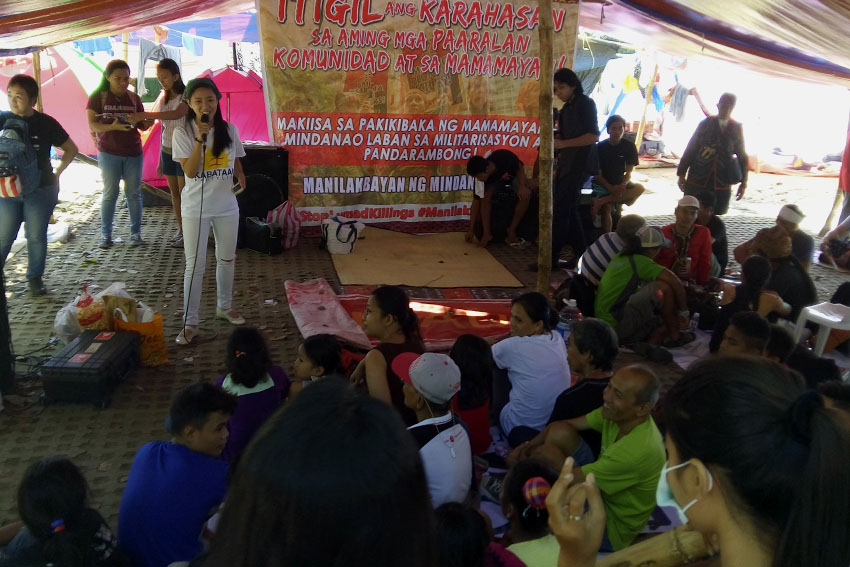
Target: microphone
[{"x": 205, "y": 119}]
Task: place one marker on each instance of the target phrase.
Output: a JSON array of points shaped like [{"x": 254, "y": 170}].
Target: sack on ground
[
  {"x": 152, "y": 350},
  {"x": 262, "y": 236},
  {"x": 286, "y": 217},
  {"x": 338, "y": 236},
  {"x": 19, "y": 172}
]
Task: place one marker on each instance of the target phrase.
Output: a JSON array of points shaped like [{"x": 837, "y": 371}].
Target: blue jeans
[
  {"x": 113, "y": 169},
  {"x": 33, "y": 209}
]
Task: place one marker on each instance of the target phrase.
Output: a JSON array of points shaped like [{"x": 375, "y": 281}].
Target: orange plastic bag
[{"x": 152, "y": 339}]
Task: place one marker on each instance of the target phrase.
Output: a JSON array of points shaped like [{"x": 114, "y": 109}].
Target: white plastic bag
[{"x": 65, "y": 325}]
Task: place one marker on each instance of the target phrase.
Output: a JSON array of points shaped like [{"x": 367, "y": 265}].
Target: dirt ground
[{"x": 103, "y": 442}]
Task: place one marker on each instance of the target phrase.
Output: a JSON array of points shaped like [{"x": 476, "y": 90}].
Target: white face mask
[{"x": 664, "y": 494}]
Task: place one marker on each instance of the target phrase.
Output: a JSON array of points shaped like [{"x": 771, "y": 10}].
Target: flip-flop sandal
[{"x": 520, "y": 244}]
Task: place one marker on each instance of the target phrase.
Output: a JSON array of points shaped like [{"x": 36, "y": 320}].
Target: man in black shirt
[
  {"x": 719, "y": 243},
  {"x": 500, "y": 166},
  {"x": 612, "y": 184},
  {"x": 578, "y": 131}
]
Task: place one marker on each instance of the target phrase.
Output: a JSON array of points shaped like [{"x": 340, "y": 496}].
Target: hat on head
[
  {"x": 435, "y": 376},
  {"x": 792, "y": 214},
  {"x": 688, "y": 201},
  {"x": 652, "y": 237},
  {"x": 772, "y": 242},
  {"x": 205, "y": 82}
]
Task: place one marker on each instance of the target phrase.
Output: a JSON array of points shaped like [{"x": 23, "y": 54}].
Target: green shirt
[
  {"x": 627, "y": 473},
  {"x": 615, "y": 279},
  {"x": 540, "y": 552}
]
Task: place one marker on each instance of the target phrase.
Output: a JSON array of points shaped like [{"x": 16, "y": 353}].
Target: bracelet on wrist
[{"x": 199, "y": 140}]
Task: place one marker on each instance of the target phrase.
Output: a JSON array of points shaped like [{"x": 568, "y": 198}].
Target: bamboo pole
[
  {"x": 36, "y": 74},
  {"x": 546, "y": 153},
  {"x": 125, "y": 39},
  {"x": 648, "y": 97}
]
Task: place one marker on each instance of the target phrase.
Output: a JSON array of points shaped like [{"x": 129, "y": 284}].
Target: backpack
[{"x": 19, "y": 171}]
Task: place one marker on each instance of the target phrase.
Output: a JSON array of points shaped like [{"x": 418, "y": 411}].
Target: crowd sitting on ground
[
  {"x": 251, "y": 474},
  {"x": 383, "y": 467}
]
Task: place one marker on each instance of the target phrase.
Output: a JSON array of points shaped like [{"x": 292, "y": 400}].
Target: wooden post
[
  {"x": 36, "y": 74},
  {"x": 125, "y": 39},
  {"x": 648, "y": 97},
  {"x": 546, "y": 153}
]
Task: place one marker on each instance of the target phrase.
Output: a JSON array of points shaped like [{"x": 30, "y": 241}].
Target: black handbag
[{"x": 263, "y": 237}]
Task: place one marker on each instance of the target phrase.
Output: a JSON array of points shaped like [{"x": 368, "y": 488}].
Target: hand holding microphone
[{"x": 204, "y": 127}]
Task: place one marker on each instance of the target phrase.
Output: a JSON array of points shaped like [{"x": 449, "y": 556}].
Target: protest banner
[{"x": 381, "y": 103}]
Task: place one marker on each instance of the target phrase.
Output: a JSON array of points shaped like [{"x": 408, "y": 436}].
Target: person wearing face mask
[
  {"x": 690, "y": 255},
  {"x": 756, "y": 463}
]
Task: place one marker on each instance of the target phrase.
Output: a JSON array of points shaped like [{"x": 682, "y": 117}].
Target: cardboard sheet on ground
[
  {"x": 442, "y": 321},
  {"x": 430, "y": 260}
]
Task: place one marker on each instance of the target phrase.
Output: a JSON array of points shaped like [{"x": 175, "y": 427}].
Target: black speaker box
[{"x": 269, "y": 160}]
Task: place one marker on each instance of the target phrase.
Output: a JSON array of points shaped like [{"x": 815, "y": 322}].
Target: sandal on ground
[
  {"x": 231, "y": 315},
  {"x": 187, "y": 335},
  {"x": 652, "y": 352},
  {"x": 685, "y": 337},
  {"x": 177, "y": 242},
  {"x": 519, "y": 244}
]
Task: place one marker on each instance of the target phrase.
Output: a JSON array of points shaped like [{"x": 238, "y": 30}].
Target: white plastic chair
[{"x": 828, "y": 315}]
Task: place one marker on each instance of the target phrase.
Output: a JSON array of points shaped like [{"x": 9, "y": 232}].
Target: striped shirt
[
  {"x": 598, "y": 255},
  {"x": 167, "y": 125}
]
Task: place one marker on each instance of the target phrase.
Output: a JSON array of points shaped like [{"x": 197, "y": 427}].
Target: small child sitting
[
  {"x": 59, "y": 527},
  {"x": 259, "y": 386},
  {"x": 523, "y": 497},
  {"x": 319, "y": 356}
]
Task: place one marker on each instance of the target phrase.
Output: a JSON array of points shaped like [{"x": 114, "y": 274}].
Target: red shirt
[
  {"x": 478, "y": 422},
  {"x": 699, "y": 249}
]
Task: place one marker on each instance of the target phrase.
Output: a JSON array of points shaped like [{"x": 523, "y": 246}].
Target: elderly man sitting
[
  {"x": 802, "y": 245},
  {"x": 632, "y": 455}
]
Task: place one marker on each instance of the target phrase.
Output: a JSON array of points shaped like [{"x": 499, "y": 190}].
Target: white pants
[{"x": 195, "y": 232}]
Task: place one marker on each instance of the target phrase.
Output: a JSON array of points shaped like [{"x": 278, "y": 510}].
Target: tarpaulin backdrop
[{"x": 381, "y": 103}]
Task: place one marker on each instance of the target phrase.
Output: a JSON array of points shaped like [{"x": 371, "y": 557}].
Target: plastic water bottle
[
  {"x": 566, "y": 316},
  {"x": 692, "y": 326}
]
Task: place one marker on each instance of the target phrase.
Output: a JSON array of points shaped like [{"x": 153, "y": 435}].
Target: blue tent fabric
[{"x": 94, "y": 45}]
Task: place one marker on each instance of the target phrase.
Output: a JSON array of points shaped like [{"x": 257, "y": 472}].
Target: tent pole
[
  {"x": 125, "y": 40},
  {"x": 839, "y": 196},
  {"x": 648, "y": 97},
  {"x": 544, "y": 249},
  {"x": 36, "y": 74}
]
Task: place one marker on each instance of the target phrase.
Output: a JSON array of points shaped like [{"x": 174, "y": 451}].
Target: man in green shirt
[
  {"x": 632, "y": 455},
  {"x": 642, "y": 300}
]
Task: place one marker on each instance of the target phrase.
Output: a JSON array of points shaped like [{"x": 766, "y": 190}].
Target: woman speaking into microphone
[{"x": 208, "y": 149}]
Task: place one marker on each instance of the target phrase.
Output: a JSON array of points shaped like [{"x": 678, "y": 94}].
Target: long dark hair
[
  {"x": 171, "y": 66},
  {"x": 292, "y": 502},
  {"x": 569, "y": 77},
  {"x": 786, "y": 457},
  {"x": 538, "y": 308},
  {"x": 462, "y": 536},
  {"x": 755, "y": 272},
  {"x": 474, "y": 358},
  {"x": 110, "y": 67},
  {"x": 392, "y": 300},
  {"x": 221, "y": 133},
  {"x": 52, "y": 502},
  {"x": 248, "y": 359}
]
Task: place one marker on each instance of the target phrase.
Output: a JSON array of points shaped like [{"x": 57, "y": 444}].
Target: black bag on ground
[
  {"x": 577, "y": 287},
  {"x": 262, "y": 236}
]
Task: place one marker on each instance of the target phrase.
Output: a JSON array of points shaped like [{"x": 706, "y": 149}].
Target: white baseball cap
[
  {"x": 435, "y": 376},
  {"x": 688, "y": 201},
  {"x": 652, "y": 237}
]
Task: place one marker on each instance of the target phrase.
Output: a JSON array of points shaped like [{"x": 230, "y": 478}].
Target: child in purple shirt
[{"x": 258, "y": 385}]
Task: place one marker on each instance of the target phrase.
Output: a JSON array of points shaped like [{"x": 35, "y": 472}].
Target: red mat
[{"x": 442, "y": 321}]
